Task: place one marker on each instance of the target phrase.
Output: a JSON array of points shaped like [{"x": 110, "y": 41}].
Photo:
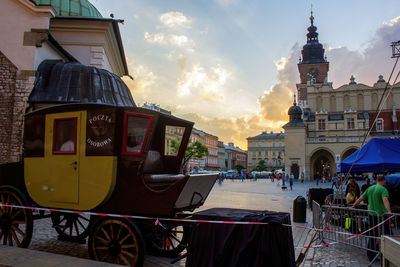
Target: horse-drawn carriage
[{"x": 87, "y": 147}]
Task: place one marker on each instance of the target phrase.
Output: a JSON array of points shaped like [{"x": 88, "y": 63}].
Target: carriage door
[{"x": 64, "y": 156}]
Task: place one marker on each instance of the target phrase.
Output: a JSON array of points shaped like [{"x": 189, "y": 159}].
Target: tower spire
[
  {"x": 312, "y": 17},
  {"x": 294, "y": 100}
]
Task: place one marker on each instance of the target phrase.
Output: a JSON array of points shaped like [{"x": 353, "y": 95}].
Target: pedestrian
[
  {"x": 302, "y": 177},
  {"x": 365, "y": 186},
  {"x": 378, "y": 201},
  {"x": 351, "y": 196},
  {"x": 316, "y": 177},
  {"x": 352, "y": 184},
  {"x": 334, "y": 182},
  {"x": 291, "y": 180}
]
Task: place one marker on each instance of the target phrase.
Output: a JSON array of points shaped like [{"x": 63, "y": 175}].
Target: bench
[{"x": 153, "y": 168}]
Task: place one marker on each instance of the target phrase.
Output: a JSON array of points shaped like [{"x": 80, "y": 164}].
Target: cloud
[
  {"x": 234, "y": 130},
  {"x": 274, "y": 104},
  {"x": 143, "y": 80},
  {"x": 170, "y": 39},
  {"x": 175, "y": 19},
  {"x": 366, "y": 65},
  {"x": 208, "y": 83}
]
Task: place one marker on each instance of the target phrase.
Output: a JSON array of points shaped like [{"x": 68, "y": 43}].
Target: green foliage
[
  {"x": 239, "y": 167},
  {"x": 260, "y": 166},
  {"x": 194, "y": 150}
]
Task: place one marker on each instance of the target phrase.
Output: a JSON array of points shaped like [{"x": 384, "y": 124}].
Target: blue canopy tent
[
  {"x": 378, "y": 155},
  {"x": 393, "y": 180}
]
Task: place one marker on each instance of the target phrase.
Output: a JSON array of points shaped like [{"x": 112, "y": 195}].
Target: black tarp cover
[
  {"x": 226, "y": 245},
  {"x": 72, "y": 82}
]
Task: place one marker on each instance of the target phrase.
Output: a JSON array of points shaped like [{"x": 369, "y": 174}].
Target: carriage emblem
[{"x": 100, "y": 131}]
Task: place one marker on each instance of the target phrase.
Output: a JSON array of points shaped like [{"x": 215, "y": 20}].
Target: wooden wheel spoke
[
  {"x": 112, "y": 231},
  {"x": 7, "y": 202},
  {"x": 80, "y": 216},
  {"x": 63, "y": 219},
  {"x": 124, "y": 239},
  {"x": 124, "y": 260},
  {"x": 175, "y": 238},
  {"x": 105, "y": 234},
  {"x": 16, "y": 228},
  {"x": 76, "y": 228},
  {"x": 14, "y": 236},
  {"x": 10, "y": 242},
  {"x": 70, "y": 230},
  {"x": 15, "y": 214},
  {"x": 18, "y": 222},
  {"x": 102, "y": 240},
  {"x": 129, "y": 246},
  {"x": 171, "y": 242},
  {"x": 81, "y": 224},
  {"x": 128, "y": 254},
  {"x": 119, "y": 232}
]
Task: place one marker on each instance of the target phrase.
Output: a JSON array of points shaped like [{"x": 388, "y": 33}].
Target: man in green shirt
[
  {"x": 378, "y": 201},
  {"x": 377, "y": 196}
]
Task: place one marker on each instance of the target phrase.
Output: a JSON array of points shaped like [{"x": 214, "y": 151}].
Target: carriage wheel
[
  {"x": 16, "y": 225},
  {"x": 116, "y": 241},
  {"x": 169, "y": 240},
  {"x": 71, "y": 227}
]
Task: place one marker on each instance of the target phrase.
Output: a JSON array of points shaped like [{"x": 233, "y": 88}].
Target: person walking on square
[
  {"x": 334, "y": 182},
  {"x": 316, "y": 177},
  {"x": 378, "y": 201},
  {"x": 291, "y": 179}
]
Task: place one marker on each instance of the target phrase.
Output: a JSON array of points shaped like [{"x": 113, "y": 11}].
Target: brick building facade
[{"x": 15, "y": 87}]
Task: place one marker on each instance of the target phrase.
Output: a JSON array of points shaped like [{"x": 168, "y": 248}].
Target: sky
[{"x": 230, "y": 66}]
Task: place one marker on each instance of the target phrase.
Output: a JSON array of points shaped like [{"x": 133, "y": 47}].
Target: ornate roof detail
[
  {"x": 352, "y": 80},
  {"x": 71, "y": 8},
  {"x": 313, "y": 52}
]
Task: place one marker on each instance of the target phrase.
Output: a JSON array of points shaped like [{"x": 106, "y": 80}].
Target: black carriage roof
[
  {"x": 76, "y": 107},
  {"x": 59, "y": 83}
]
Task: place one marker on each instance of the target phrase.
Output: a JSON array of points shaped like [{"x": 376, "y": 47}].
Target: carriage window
[
  {"x": 64, "y": 136},
  {"x": 136, "y": 130},
  {"x": 173, "y": 139},
  {"x": 34, "y": 136}
]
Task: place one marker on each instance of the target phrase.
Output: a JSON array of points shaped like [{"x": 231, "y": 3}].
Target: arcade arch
[
  {"x": 348, "y": 152},
  {"x": 322, "y": 163}
]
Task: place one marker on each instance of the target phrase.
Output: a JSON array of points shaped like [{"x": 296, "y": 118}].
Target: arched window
[
  {"x": 360, "y": 102},
  {"x": 346, "y": 102},
  {"x": 374, "y": 101},
  {"x": 319, "y": 103},
  {"x": 332, "y": 103}
]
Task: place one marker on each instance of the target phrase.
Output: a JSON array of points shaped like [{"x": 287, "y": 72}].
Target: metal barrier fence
[
  {"x": 353, "y": 227},
  {"x": 316, "y": 212}
]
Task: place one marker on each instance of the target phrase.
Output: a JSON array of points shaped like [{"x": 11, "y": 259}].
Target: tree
[
  {"x": 239, "y": 167},
  {"x": 260, "y": 166},
  {"x": 194, "y": 150}
]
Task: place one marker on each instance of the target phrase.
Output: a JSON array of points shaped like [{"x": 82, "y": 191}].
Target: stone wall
[{"x": 15, "y": 86}]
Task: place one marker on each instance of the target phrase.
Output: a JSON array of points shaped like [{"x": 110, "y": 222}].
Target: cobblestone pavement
[{"x": 258, "y": 195}]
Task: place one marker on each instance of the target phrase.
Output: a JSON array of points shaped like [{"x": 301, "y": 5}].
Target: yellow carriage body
[{"x": 69, "y": 180}]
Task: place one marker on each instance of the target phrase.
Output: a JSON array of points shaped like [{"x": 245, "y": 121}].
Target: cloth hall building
[{"x": 328, "y": 124}]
